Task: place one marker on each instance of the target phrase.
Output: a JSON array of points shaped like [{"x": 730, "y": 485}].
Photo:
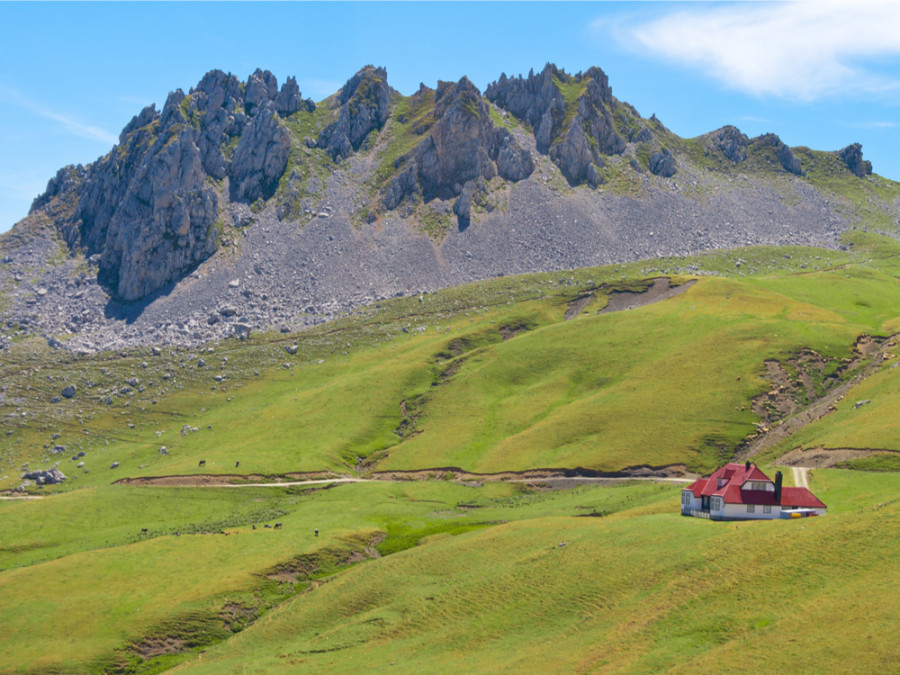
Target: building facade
[{"x": 743, "y": 492}]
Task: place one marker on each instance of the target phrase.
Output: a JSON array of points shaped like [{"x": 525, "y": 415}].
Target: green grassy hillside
[{"x": 449, "y": 572}]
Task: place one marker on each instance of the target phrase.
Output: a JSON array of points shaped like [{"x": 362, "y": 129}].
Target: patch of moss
[{"x": 432, "y": 223}]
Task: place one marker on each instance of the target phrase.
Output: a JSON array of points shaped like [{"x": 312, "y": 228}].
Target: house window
[
  {"x": 767, "y": 509},
  {"x": 751, "y": 508}
]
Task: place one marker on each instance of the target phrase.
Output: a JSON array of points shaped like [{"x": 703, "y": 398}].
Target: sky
[{"x": 818, "y": 74}]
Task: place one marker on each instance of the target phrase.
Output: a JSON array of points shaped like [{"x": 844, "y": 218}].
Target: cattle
[
  {"x": 277, "y": 526},
  {"x": 237, "y": 464},
  {"x": 202, "y": 462}
]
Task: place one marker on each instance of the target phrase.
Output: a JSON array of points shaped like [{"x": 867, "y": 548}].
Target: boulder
[
  {"x": 46, "y": 477},
  {"x": 68, "y": 391},
  {"x": 662, "y": 163}
]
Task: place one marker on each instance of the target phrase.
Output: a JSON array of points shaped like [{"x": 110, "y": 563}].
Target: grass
[
  {"x": 640, "y": 591},
  {"x": 224, "y": 569},
  {"x": 474, "y": 578}
]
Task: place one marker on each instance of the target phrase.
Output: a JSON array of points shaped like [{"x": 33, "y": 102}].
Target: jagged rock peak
[
  {"x": 461, "y": 145},
  {"x": 149, "y": 208},
  {"x": 365, "y": 103},
  {"x": 536, "y": 100},
  {"x": 575, "y": 143},
  {"x": 853, "y": 158}
]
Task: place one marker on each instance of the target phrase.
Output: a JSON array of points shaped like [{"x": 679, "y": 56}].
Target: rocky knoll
[
  {"x": 461, "y": 147},
  {"x": 853, "y": 158},
  {"x": 575, "y": 134}
]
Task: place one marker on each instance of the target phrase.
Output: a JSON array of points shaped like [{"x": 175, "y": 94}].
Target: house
[{"x": 743, "y": 492}]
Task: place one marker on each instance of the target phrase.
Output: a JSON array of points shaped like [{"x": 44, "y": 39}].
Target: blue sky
[{"x": 816, "y": 73}]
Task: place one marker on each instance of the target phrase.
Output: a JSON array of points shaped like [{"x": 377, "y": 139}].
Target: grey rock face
[
  {"x": 662, "y": 163},
  {"x": 461, "y": 146},
  {"x": 732, "y": 143},
  {"x": 261, "y": 156},
  {"x": 290, "y": 100},
  {"x": 576, "y": 146},
  {"x": 535, "y": 100},
  {"x": 261, "y": 88},
  {"x": 148, "y": 210},
  {"x": 853, "y": 158},
  {"x": 365, "y": 103}
]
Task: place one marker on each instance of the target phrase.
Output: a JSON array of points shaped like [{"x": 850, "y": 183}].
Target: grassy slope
[
  {"x": 80, "y": 579},
  {"x": 669, "y": 383},
  {"x": 642, "y": 591},
  {"x": 665, "y": 384},
  {"x": 664, "y": 378}
]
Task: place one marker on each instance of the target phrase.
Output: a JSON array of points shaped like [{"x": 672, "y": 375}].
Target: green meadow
[{"x": 453, "y": 572}]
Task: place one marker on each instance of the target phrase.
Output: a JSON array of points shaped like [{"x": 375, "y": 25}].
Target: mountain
[{"x": 243, "y": 206}]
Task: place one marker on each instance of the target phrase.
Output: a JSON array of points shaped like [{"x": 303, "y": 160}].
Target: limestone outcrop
[
  {"x": 365, "y": 103},
  {"x": 151, "y": 208},
  {"x": 783, "y": 153},
  {"x": 462, "y": 145},
  {"x": 853, "y": 158},
  {"x": 575, "y": 133}
]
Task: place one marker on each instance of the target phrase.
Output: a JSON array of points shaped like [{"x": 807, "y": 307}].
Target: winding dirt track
[{"x": 207, "y": 481}]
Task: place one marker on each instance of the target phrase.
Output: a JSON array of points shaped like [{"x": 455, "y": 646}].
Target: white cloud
[
  {"x": 73, "y": 126},
  {"x": 794, "y": 50}
]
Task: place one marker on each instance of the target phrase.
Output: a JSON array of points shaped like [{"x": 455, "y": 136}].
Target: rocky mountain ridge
[{"x": 244, "y": 206}]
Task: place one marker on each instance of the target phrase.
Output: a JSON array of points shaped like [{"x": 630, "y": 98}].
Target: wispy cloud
[
  {"x": 751, "y": 118},
  {"x": 72, "y": 126},
  {"x": 795, "y": 50},
  {"x": 877, "y": 125}
]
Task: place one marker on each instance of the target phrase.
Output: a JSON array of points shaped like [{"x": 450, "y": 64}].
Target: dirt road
[{"x": 801, "y": 476}]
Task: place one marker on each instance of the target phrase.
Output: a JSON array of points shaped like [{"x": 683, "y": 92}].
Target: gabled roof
[
  {"x": 736, "y": 475},
  {"x": 733, "y": 476},
  {"x": 800, "y": 498}
]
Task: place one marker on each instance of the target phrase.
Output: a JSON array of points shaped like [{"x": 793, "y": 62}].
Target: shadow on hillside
[{"x": 130, "y": 311}]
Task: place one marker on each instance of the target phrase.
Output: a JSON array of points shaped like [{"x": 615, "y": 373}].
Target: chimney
[
  {"x": 778, "y": 487},
  {"x": 747, "y": 465}
]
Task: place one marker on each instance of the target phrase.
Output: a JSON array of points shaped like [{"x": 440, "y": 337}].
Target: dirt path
[
  {"x": 559, "y": 478},
  {"x": 14, "y": 498},
  {"x": 801, "y": 476}
]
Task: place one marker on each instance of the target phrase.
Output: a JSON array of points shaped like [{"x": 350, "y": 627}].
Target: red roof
[
  {"x": 801, "y": 498},
  {"x": 733, "y": 476}
]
